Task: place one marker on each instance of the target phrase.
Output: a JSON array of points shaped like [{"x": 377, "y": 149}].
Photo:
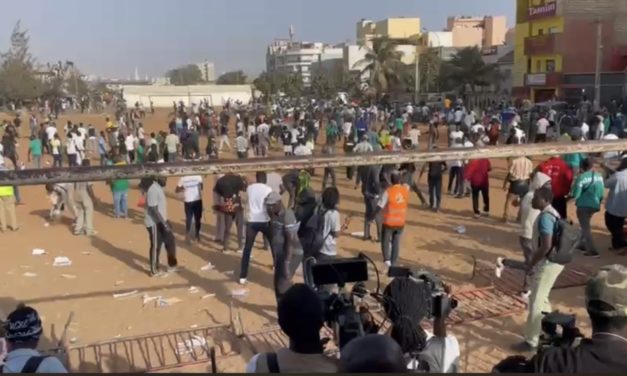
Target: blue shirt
[
  {"x": 546, "y": 223},
  {"x": 16, "y": 360},
  {"x": 102, "y": 146}
]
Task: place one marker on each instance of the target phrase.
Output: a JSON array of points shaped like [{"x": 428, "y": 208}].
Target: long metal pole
[
  {"x": 597, "y": 67},
  {"x": 78, "y": 174},
  {"x": 417, "y": 80}
]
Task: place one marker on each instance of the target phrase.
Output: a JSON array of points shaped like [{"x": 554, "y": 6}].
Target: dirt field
[{"x": 115, "y": 260}]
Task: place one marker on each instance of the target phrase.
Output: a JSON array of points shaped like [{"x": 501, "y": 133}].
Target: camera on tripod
[
  {"x": 340, "y": 311},
  {"x": 560, "y": 330},
  {"x": 441, "y": 304}
]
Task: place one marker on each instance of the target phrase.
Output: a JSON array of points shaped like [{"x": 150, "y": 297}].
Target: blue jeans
[
  {"x": 37, "y": 161},
  {"x": 103, "y": 159},
  {"x": 391, "y": 237},
  {"x": 120, "y": 204}
]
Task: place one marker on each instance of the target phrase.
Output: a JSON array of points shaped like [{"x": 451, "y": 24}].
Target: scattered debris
[
  {"x": 118, "y": 336},
  {"x": 73, "y": 340},
  {"x": 229, "y": 272},
  {"x": 125, "y": 294},
  {"x": 62, "y": 261},
  {"x": 206, "y": 296},
  {"x": 38, "y": 252},
  {"x": 118, "y": 283},
  {"x": 193, "y": 326},
  {"x": 209, "y": 266},
  {"x": 167, "y": 302},
  {"x": 86, "y": 253},
  {"x": 46, "y": 224},
  {"x": 68, "y": 276},
  {"x": 147, "y": 299},
  {"x": 358, "y": 234},
  {"x": 29, "y": 274},
  {"x": 460, "y": 229},
  {"x": 187, "y": 346},
  {"x": 193, "y": 290},
  {"x": 239, "y": 292}
]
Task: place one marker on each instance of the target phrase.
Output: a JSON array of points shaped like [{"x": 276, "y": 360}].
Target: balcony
[
  {"x": 546, "y": 44},
  {"x": 550, "y": 79}
]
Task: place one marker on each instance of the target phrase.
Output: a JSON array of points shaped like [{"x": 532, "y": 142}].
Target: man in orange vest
[{"x": 393, "y": 203}]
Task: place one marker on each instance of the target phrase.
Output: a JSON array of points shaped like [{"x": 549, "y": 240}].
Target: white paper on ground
[
  {"x": 460, "y": 229},
  {"x": 358, "y": 234},
  {"x": 125, "y": 294},
  {"x": 29, "y": 274},
  {"x": 187, "y": 346},
  {"x": 209, "y": 266},
  {"x": 193, "y": 290},
  {"x": 38, "y": 252},
  {"x": 206, "y": 296},
  {"x": 239, "y": 292},
  {"x": 62, "y": 261}
]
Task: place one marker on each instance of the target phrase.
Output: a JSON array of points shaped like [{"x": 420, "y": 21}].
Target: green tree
[
  {"x": 232, "y": 78},
  {"x": 185, "y": 75},
  {"x": 466, "y": 72},
  {"x": 382, "y": 63},
  {"x": 18, "y": 78},
  {"x": 429, "y": 66}
]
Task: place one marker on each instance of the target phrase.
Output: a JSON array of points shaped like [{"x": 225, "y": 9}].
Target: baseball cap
[
  {"x": 272, "y": 198},
  {"x": 23, "y": 325},
  {"x": 609, "y": 286}
]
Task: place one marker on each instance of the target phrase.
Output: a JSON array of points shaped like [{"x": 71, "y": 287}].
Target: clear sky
[{"x": 112, "y": 37}]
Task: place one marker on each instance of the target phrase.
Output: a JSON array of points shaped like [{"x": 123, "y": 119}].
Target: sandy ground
[{"x": 115, "y": 260}]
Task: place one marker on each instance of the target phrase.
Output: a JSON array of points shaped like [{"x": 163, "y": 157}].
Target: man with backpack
[
  {"x": 23, "y": 331},
  {"x": 554, "y": 241}
]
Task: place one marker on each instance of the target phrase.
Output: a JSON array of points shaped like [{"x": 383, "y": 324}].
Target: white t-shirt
[
  {"x": 257, "y": 194},
  {"x": 611, "y": 154},
  {"x": 130, "y": 142},
  {"x": 302, "y": 150},
  {"x": 585, "y": 129},
  {"x": 477, "y": 128},
  {"x": 331, "y": 224},
  {"x": 542, "y": 125},
  {"x": 83, "y": 132},
  {"x": 346, "y": 128},
  {"x": 457, "y": 135},
  {"x": 71, "y": 145},
  {"x": 439, "y": 352},
  {"x": 414, "y": 135},
  {"x": 50, "y": 132},
  {"x": 192, "y": 185},
  {"x": 458, "y": 115},
  {"x": 274, "y": 181}
]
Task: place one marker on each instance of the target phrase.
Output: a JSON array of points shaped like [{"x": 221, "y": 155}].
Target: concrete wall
[
  {"x": 163, "y": 96},
  {"x": 438, "y": 39},
  {"x": 396, "y": 28},
  {"x": 495, "y": 28}
]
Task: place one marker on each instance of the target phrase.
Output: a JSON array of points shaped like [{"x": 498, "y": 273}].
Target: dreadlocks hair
[
  {"x": 330, "y": 198},
  {"x": 406, "y": 302}
]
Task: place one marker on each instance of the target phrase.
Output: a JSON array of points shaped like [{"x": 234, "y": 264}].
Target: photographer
[
  {"x": 408, "y": 303},
  {"x": 301, "y": 316},
  {"x": 606, "y": 350}
]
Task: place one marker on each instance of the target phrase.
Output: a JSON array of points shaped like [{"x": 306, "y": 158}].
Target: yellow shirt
[{"x": 6, "y": 191}]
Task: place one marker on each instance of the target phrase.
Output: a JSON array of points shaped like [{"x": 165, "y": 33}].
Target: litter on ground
[
  {"x": 125, "y": 294},
  {"x": 207, "y": 267},
  {"x": 239, "y": 292},
  {"x": 38, "y": 252},
  {"x": 30, "y": 274},
  {"x": 460, "y": 229},
  {"x": 188, "y": 346},
  {"x": 62, "y": 261}
]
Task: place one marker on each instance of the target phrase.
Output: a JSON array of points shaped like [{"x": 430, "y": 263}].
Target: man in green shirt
[
  {"x": 587, "y": 191},
  {"x": 119, "y": 188},
  {"x": 141, "y": 150},
  {"x": 34, "y": 151}
]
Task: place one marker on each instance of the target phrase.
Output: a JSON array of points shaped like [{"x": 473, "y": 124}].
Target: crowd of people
[{"x": 309, "y": 224}]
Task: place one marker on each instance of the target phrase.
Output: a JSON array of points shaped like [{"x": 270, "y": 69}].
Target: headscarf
[{"x": 304, "y": 180}]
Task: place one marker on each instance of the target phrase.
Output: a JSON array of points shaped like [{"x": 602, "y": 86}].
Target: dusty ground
[{"x": 115, "y": 261}]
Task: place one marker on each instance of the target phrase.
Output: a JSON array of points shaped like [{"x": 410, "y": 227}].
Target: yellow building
[
  {"x": 398, "y": 28},
  {"x": 537, "y": 59}
]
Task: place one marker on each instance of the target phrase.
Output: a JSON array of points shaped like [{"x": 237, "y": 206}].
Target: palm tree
[
  {"x": 466, "y": 71},
  {"x": 382, "y": 63}
]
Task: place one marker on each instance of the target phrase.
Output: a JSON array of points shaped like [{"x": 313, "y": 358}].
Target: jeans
[
  {"x": 435, "y": 191},
  {"x": 615, "y": 225},
  {"x": 252, "y": 229},
  {"x": 193, "y": 210},
  {"x": 72, "y": 160},
  {"x": 456, "y": 178},
  {"x": 371, "y": 214},
  {"x": 584, "y": 215},
  {"x": 543, "y": 281},
  {"x": 414, "y": 187},
  {"x": 103, "y": 159},
  {"x": 37, "y": 161},
  {"x": 485, "y": 194},
  {"x": 16, "y": 194},
  {"x": 391, "y": 236},
  {"x": 171, "y": 157},
  {"x": 120, "y": 204},
  {"x": 56, "y": 160},
  {"x": 158, "y": 236}
]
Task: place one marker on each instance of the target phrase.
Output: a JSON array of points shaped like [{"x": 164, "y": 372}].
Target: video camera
[
  {"x": 441, "y": 304},
  {"x": 340, "y": 311},
  {"x": 560, "y": 330}
]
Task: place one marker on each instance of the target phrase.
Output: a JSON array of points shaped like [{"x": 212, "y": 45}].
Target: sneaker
[
  {"x": 524, "y": 295},
  {"x": 172, "y": 269},
  {"x": 242, "y": 281},
  {"x": 523, "y": 347},
  {"x": 477, "y": 215},
  {"x": 498, "y": 270},
  {"x": 593, "y": 254},
  {"x": 388, "y": 263}
]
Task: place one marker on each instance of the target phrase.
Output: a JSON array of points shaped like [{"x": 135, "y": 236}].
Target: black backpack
[{"x": 311, "y": 233}]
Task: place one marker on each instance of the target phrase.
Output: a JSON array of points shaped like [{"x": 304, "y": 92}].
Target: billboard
[{"x": 547, "y": 9}]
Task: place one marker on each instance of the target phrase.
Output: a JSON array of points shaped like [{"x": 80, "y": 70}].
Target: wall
[
  {"x": 352, "y": 55},
  {"x": 163, "y": 96},
  {"x": 520, "y": 59},
  {"x": 495, "y": 30},
  {"x": 396, "y": 28},
  {"x": 438, "y": 39}
]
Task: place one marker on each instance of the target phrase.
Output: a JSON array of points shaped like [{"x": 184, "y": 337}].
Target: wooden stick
[{"x": 96, "y": 173}]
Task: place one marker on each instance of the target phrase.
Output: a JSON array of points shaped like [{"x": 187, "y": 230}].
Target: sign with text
[
  {"x": 538, "y": 79},
  {"x": 546, "y": 10}
]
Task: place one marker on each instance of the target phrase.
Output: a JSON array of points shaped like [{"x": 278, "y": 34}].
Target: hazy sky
[{"x": 112, "y": 37}]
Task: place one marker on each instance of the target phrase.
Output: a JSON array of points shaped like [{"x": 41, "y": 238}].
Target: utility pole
[
  {"x": 597, "y": 68},
  {"x": 417, "y": 80}
]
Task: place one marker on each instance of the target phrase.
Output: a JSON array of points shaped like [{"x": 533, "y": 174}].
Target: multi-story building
[
  {"x": 477, "y": 31},
  {"x": 556, "y": 48},
  {"x": 208, "y": 71},
  {"x": 286, "y": 56},
  {"x": 399, "y": 28}
]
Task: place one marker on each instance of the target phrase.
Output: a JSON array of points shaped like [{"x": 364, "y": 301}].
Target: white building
[
  {"x": 437, "y": 39},
  {"x": 208, "y": 71},
  {"x": 164, "y": 95},
  {"x": 285, "y": 56}
]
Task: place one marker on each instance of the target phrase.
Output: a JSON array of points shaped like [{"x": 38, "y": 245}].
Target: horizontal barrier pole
[{"x": 213, "y": 167}]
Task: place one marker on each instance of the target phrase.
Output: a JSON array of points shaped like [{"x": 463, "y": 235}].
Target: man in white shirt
[
  {"x": 129, "y": 142},
  {"x": 414, "y": 136},
  {"x": 302, "y": 149},
  {"x": 541, "y": 128},
  {"x": 23, "y": 331},
  {"x": 455, "y": 135},
  {"x": 258, "y": 220},
  {"x": 241, "y": 145},
  {"x": 585, "y": 131},
  {"x": 363, "y": 146},
  {"x": 191, "y": 186}
]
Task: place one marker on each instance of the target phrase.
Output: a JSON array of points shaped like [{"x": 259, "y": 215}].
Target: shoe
[
  {"x": 172, "y": 269},
  {"x": 242, "y": 281},
  {"x": 523, "y": 347},
  {"x": 593, "y": 254},
  {"x": 388, "y": 263},
  {"x": 498, "y": 271},
  {"x": 485, "y": 214},
  {"x": 477, "y": 215},
  {"x": 524, "y": 295}
]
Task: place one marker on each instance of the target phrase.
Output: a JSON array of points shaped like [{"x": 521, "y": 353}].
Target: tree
[
  {"x": 232, "y": 78},
  {"x": 275, "y": 82},
  {"x": 429, "y": 67},
  {"x": 18, "y": 78},
  {"x": 185, "y": 75},
  {"x": 382, "y": 63},
  {"x": 466, "y": 71}
]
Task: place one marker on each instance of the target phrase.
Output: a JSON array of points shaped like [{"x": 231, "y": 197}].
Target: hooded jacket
[{"x": 528, "y": 214}]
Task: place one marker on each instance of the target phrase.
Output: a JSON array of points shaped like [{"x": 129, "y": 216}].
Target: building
[
  {"x": 437, "y": 39},
  {"x": 208, "y": 71},
  {"x": 556, "y": 48},
  {"x": 477, "y": 31},
  {"x": 393, "y": 28},
  {"x": 286, "y": 56}
]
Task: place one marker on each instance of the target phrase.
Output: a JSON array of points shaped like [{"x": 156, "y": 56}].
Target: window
[
  {"x": 540, "y": 31},
  {"x": 538, "y": 66},
  {"x": 550, "y": 66},
  {"x": 553, "y": 30}
]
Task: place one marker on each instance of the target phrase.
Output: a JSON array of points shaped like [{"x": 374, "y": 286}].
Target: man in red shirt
[
  {"x": 561, "y": 180},
  {"x": 476, "y": 172}
]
